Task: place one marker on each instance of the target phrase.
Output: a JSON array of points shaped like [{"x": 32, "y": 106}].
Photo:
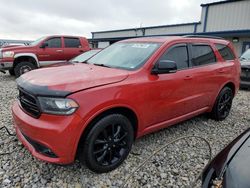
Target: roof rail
[{"x": 202, "y": 36}]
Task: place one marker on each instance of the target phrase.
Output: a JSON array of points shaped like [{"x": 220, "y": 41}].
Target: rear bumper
[{"x": 57, "y": 133}]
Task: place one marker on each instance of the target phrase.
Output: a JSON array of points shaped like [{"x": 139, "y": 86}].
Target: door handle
[
  {"x": 188, "y": 77},
  {"x": 81, "y": 51},
  {"x": 59, "y": 50}
]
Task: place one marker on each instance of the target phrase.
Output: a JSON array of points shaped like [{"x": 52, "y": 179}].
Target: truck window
[
  {"x": 72, "y": 42},
  {"x": 202, "y": 55},
  {"x": 54, "y": 42}
]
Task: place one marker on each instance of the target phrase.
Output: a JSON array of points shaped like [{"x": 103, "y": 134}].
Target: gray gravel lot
[{"x": 176, "y": 166}]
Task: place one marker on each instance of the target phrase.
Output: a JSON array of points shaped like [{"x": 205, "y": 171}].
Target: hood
[
  {"x": 17, "y": 48},
  {"x": 63, "y": 80}
]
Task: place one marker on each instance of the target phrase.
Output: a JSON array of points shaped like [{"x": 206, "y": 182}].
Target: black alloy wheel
[
  {"x": 108, "y": 143},
  {"x": 223, "y": 104}
]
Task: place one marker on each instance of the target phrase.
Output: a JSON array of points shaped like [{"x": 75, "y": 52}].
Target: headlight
[
  {"x": 8, "y": 54},
  {"x": 59, "y": 106}
]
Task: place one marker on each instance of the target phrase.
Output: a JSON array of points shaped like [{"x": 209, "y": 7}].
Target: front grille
[{"x": 29, "y": 104}]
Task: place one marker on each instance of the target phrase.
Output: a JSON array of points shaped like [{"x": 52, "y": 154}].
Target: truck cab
[{"x": 42, "y": 52}]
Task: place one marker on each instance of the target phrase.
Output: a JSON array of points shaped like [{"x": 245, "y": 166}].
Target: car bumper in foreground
[{"x": 50, "y": 138}]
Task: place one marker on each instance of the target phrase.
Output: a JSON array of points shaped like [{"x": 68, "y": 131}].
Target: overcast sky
[{"x": 31, "y": 19}]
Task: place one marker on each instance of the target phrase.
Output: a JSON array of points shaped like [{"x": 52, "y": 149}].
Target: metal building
[{"x": 229, "y": 19}]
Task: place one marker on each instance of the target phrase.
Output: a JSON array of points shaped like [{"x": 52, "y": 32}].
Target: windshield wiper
[{"x": 101, "y": 65}]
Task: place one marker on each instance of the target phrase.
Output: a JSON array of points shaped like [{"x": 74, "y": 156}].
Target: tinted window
[
  {"x": 177, "y": 54},
  {"x": 202, "y": 55},
  {"x": 54, "y": 43},
  {"x": 72, "y": 42},
  {"x": 225, "y": 52}
]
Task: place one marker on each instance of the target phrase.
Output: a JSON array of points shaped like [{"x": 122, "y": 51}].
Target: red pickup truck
[{"x": 42, "y": 52}]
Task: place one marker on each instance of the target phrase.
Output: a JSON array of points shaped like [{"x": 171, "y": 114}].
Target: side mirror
[
  {"x": 44, "y": 45},
  {"x": 164, "y": 66}
]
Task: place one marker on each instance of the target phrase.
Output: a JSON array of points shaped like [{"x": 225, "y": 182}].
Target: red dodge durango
[{"x": 94, "y": 110}]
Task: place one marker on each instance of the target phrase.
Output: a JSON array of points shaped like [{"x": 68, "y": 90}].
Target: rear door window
[
  {"x": 202, "y": 54},
  {"x": 72, "y": 42},
  {"x": 178, "y": 54},
  {"x": 225, "y": 52}
]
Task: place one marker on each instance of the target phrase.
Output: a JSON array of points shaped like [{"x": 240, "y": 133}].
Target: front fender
[{"x": 27, "y": 55}]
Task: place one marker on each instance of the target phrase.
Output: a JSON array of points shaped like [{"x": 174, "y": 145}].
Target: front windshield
[
  {"x": 125, "y": 55},
  {"x": 246, "y": 55},
  {"x": 36, "y": 42},
  {"x": 85, "y": 56}
]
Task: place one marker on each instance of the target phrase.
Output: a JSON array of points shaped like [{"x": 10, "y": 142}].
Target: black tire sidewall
[
  {"x": 215, "y": 113},
  {"x": 12, "y": 72},
  {"x": 88, "y": 157},
  {"x": 20, "y": 65}
]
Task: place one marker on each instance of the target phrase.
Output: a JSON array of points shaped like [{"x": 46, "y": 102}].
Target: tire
[
  {"x": 12, "y": 72},
  {"x": 108, "y": 143},
  {"x": 23, "y": 67},
  {"x": 223, "y": 104}
]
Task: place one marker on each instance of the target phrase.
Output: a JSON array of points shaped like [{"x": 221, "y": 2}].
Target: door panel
[
  {"x": 169, "y": 96},
  {"x": 206, "y": 80},
  {"x": 72, "y": 47},
  {"x": 52, "y": 52},
  {"x": 170, "y": 93}
]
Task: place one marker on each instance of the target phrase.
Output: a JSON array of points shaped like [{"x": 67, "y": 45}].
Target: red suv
[
  {"x": 94, "y": 110},
  {"x": 42, "y": 52}
]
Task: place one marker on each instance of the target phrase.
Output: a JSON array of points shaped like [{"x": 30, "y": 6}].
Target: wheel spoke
[
  {"x": 118, "y": 131},
  {"x": 100, "y": 150},
  {"x": 99, "y": 141},
  {"x": 102, "y": 157},
  {"x": 121, "y": 138}
]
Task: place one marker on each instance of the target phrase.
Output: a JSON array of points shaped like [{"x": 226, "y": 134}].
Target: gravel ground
[{"x": 176, "y": 166}]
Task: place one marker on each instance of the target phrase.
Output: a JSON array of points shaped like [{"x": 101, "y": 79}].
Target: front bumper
[
  {"x": 57, "y": 133},
  {"x": 6, "y": 65}
]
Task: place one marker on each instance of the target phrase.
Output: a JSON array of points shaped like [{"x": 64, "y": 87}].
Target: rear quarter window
[
  {"x": 225, "y": 52},
  {"x": 202, "y": 54}
]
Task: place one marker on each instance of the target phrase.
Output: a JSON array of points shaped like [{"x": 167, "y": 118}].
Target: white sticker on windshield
[{"x": 140, "y": 45}]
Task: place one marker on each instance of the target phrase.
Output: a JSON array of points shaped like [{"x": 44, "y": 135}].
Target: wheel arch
[
  {"x": 231, "y": 85},
  {"x": 127, "y": 112},
  {"x": 30, "y": 57}
]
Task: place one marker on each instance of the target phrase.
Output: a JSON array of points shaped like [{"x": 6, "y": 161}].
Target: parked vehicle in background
[
  {"x": 85, "y": 56},
  {"x": 245, "y": 69},
  {"x": 230, "y": 168},
  {"x": 78, "y": 59},
  {"x": 42, "y": 52},
  {"x": 12, "y": 45},
  {"x": 95, "y": 110}
]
